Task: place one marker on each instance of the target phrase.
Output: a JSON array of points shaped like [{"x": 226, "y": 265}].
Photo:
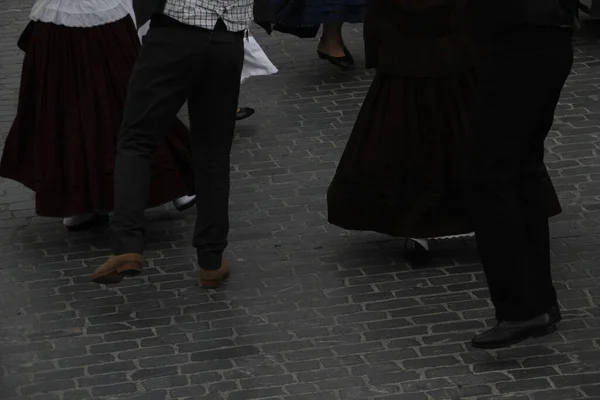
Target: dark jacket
[{"x": 490, "y": 17}]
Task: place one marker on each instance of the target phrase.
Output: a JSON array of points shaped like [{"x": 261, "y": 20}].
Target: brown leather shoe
[
  {"x": 211, "y": 279},
  {"x": 117, "y": 267}
]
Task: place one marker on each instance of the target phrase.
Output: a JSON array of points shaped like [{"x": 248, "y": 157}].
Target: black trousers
[
  {"x": 510, "y": 194},
  {"x": 178, "y": 63}
]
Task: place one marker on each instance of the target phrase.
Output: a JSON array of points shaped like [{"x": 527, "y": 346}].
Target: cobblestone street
[{"x": 310, "y": 311}]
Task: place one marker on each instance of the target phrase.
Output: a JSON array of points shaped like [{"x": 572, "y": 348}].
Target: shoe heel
[
  {"x": 547, "y": 330},
  {"x": 416, "y": 254},
  {"x": 212, "y": 283},
  {"x": 130, "y": 268},
  {"x": 111, "y": 278}
]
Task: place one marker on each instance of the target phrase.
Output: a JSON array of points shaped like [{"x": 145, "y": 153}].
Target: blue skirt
[{"x": 315, "y": 12}]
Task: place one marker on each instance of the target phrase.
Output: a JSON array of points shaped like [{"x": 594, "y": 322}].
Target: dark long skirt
[
  {"x": 62, "y": 143},
  {"x": 401, "y": 172}
]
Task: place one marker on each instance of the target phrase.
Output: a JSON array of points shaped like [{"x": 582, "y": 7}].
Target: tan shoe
[
  {"x": 213, "y": 278},
  {"x": 117, "y": 267}
]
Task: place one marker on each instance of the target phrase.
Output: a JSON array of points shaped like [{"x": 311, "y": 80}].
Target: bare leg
[{"x": 332, "y": 42}]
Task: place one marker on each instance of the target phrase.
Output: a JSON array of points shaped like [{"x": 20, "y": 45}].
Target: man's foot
[
  {"x": 211, "y": 279},
  {"x": 507, "y": 333},
  {"x": 244, "y": 112},
  {"x": 85, "y": 221},
  {"x": 184, "y": 203},
  {"x": 117, "y": 267}
]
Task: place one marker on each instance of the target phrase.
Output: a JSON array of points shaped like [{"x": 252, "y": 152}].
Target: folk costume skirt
[
  {"x": 401, "y": 172},
  {"x": 62, "y": 144}
]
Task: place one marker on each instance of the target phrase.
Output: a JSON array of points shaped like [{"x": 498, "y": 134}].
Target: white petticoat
[
  {"x": 81, "y": 13},
  {"x": 256, "y": 62}
]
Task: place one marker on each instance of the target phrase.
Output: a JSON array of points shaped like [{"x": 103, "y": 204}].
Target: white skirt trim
[
  {"x": 81, "y": 13},
  {"x": 256, "y": 62}
]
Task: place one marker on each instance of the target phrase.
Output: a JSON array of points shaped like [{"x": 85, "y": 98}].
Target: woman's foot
[
  {"x": 344, "y": 62},
  {"x": 243, "y": 113},
  {"x": 184, "y": 203},
  {"x": 416, "y": 251},
  {"x": 85, "y": 221},
  {"x": 332, "y": 47}
]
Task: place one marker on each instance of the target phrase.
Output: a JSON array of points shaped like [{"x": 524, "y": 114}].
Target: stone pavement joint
[{"x": 311, "y": 311}]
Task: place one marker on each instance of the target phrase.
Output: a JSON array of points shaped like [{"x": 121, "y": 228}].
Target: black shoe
[
  {"x": 507, "y": 333},
  {"x": 348, "y": 55},
  {"x": 244, "y": 112},
  {"x": 184, "y": 203},
  {"x": 415, "y": 253},
  {"x": 344, "y": 62},
  {"x": 95, "y": 220}
]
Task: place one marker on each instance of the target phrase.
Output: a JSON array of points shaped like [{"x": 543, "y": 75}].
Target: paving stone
[{"x": 311, "y": 311}]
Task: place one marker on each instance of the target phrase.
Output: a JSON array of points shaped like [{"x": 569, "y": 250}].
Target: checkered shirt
[{"x": 236, "y": 14}]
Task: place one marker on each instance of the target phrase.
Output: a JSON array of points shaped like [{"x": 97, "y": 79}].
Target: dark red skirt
[
  {"x": 62, "y": 144},
  {"x": 401, "y": 171}
]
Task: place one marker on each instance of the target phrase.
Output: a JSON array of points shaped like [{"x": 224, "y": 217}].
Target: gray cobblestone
[{"x": 311, "y": 311}]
